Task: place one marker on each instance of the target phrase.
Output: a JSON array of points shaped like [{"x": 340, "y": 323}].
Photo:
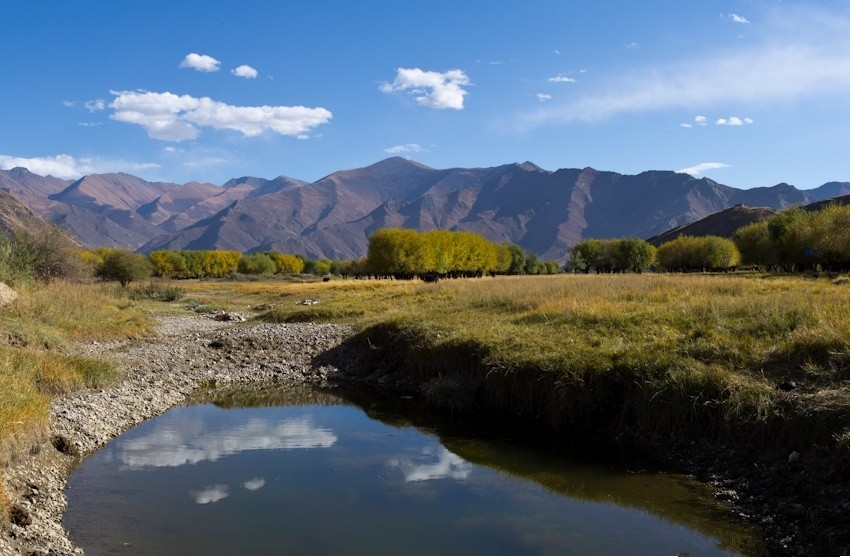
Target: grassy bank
[
  {"x": 661, "y": 355},
  {"x": 33, "y": 331}
]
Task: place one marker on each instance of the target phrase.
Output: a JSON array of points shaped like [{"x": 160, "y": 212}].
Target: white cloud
[
  {"x": 59, "y": 166},
  {"x": 733, "y": 121},
  {"x": 69, "y": 168},
  {"x": 170, "y": 117},
  {"x": 561, "y": 78},
  {"x": 244, "y": 71},
  {"x": 813, "y": 62},
  {"x": 434, "y": 89},
  {"x": 699, "y": 120},
  {"x": 200, "y": 62},
  {"x": 543, "y": 96},
  {"x": 699, "y": 169},
  {"x": 632, "y": 45},
  {"x": 406, "y": 148},
  {"x": 735, "y": 18}
]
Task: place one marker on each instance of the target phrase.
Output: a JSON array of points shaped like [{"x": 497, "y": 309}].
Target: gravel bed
[{"x": 159, "y": 373}]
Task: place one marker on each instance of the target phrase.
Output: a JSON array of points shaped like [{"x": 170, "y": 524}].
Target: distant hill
[
  {"x": 540, "y": 210},
  {"x": 725, "y": 223}
]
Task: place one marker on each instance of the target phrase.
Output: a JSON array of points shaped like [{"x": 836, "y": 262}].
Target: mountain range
[{"x": 543, "y": 211}]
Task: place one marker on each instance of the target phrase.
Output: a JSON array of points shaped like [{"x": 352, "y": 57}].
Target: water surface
[{"x": 309, "y": 473}]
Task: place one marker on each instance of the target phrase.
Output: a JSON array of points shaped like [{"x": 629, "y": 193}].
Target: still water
[{"x": 295, "y": 471}]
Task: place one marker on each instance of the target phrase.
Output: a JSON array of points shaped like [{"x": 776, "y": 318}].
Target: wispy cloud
[
  {"x": 244, "y": 71},
  {"x": 543, "y": 96},
  {"x": 406, "y": 148},
  {"x": 171, "y": 117},
  {"x": 632, "y": 45},
  {"x": 701, "y": 168},
  {"x": 735, "y": 18},
  {"x": 200, "y": 62},
  {"x": 70, "y": 168},
  {"x": 561, "y": 78},
  {"x": 433, "y": 89},
  {"x": 95, "y": 106},
  {"x": 811, "y": 64}
]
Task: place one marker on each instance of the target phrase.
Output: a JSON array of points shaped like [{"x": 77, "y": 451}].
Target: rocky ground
[{"x": 190, "y": 351}]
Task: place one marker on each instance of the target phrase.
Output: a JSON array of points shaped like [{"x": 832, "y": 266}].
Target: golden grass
[
  {"x": 31, "y": 369},
  {"x": 674, "y": 348}
]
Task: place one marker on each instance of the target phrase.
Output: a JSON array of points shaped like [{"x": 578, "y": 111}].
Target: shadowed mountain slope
[{"x": 543, "y": 211}]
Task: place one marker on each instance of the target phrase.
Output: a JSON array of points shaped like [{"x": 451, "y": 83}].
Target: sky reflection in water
[{"x": 326, "y": 479}]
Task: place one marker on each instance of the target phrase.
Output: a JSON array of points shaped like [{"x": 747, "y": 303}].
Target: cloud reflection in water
[
  {"x": 424, "y": 468},
  {"x": 210, "y": 494},
  {"x": 171, "y": 447},
  {"x": 254, "y": 484}
]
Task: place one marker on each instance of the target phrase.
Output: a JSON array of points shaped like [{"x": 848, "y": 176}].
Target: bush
[
  {"x": 45, "y": 255},
  {"x": 124, "y": 266},
  {"x": 156, "y": 291},
  {"x": 690, "y": 253}
]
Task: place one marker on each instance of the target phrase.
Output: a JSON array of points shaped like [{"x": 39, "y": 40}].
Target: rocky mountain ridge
[{"x": 540, "y": 210}]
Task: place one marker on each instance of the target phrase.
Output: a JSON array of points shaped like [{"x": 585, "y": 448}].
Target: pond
[{"x": 298, "y": 471}]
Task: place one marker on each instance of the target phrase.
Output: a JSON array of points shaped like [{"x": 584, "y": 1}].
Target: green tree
[
  {"x": 551, "y": 267},
  {"x": 830, "y": 237},
  {"x": 531, "y": 265},
  {"x": 755, "y": 245},
  {"x": 124, "y": 266},
  {"x": 256, "y": 264},
  {"x": 634, "y": 254},
  {"x": 518, "y": 260}
]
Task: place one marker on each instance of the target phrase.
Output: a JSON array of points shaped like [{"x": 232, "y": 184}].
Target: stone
[{"x": 7, "y": 295}]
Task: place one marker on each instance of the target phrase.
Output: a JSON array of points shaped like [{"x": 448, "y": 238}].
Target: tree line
[
  {"x": 405, "y": 253},
  {"x": 794, "y": 240}
]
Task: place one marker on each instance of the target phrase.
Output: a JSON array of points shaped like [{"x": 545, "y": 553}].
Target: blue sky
[{"x": 747, "y": 93}]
